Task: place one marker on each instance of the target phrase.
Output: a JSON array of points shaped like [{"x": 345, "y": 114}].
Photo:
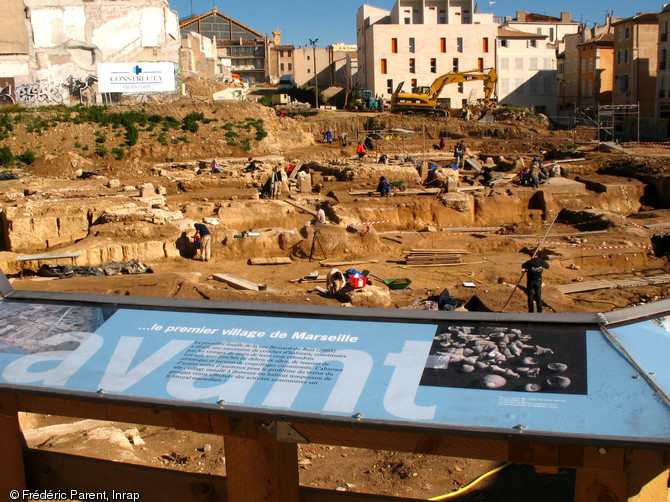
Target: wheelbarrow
[
  {"x": 398, "y": 185},
  {"x": 399, "y": 283}
]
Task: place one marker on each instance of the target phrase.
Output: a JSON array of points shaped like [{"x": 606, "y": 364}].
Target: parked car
[{"x": 286, "y": 83}]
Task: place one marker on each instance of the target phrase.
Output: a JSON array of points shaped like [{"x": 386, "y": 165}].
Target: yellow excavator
[{"x": 424, "y": 99}]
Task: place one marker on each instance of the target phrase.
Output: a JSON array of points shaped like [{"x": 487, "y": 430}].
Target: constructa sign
[{"x": 136, "y": 77}]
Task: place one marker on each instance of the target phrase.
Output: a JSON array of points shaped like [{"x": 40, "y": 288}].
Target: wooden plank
[
  {"x": 47, "y": 256},
  {"x": 197, "y": 422},
  {"x": 657, "y": 226},
  {"x": 577, "y": 287},
  {"x": 11, "y": 439},
  {"x": 236, "y": 282},
  {"x": 616, "y": 283},
  {"x": 52, "y": 471},
  {"x": 262, "y": 470},
  {"x": 276, "y": 260},
  {"x": 326, "y": 263}
]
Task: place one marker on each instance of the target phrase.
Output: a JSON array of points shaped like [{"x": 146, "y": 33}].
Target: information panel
[
  {"x": 136, "y": 77},
  {"x": 503, "y": 377}
]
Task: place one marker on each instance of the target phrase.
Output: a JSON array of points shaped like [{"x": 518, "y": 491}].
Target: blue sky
[{"x": 335, "y": 20}]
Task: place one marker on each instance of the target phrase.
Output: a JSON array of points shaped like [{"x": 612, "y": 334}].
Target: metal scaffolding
[{"x": 611, "y": 117}]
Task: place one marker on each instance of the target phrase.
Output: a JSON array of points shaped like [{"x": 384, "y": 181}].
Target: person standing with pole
[
  {"x": 533, "y": 269},
  {"x": 524, "y": 271}
]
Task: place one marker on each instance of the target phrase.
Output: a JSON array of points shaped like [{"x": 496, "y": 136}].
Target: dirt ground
[{"x": 611, "y": 244}]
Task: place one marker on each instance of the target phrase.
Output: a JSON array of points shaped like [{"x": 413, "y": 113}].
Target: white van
[{"x": 286, "y": 83}]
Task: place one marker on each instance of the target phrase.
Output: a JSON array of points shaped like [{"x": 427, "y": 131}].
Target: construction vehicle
[
  {"x": 362, "y": 100},
  {"x": 424, "y": 99}
]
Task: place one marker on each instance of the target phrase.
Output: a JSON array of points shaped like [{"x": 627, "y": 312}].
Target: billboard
[
  {"x": 136, "y": 77},
  {"x": 542, "y": 379}
]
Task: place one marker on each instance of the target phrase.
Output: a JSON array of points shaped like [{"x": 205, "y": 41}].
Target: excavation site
[{"x": 329, "y": 208}]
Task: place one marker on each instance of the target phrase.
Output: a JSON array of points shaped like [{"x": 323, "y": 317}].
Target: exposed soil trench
[{"x": 143, "y": 207}]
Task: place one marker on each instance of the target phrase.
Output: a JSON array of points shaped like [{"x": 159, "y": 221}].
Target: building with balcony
[
  {"x": 240, "y": 49},
  {"x": 663, "y": 77},
  {"x": 636, "y": 62},
  {"x": 526, "y": 65},
  {"x": 419, "y": 40}
]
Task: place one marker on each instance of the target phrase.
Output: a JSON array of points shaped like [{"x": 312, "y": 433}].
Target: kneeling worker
[{"x": 533, "y": 269}]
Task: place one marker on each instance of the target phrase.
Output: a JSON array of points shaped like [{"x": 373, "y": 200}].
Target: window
[
  {"x": 518, "y": 85},
  {"x": 623, "y": 84},
  {"x": 383, "y": 68},
  {"x": 625, "y": 56},
  {"x": 591, "y": 65},
  {"x": 406, "y": 20},
  {"x": 460, "y": 87},
  {"x": 547, "y": 63},
  {"x": 662, "y": 60},
  {"x": 413, "y": 85},
  {"x": 288, "y": 54},
  {"x": 389, "y": 86},
  {"x": 455, "y": 64},
  {"x": 443, "y": 45},
  {"x": 412, "y": 65},
  {"x": 411, "y": 45},
  {"x": 627, "y": 33},
  {"x": 281, "y": 54},
  {"x": 281, "y": 66},
  {"x": 531, "y": 43},
  {"x": 504, "y": 87},
  {"x": 394, "y": 45},
  {"x": 442, "y": 20},
  {"x": 551, "y": 34},
  {"x": 583, "y": 89},
  {"x": 309, "y": 70},
  {"x": 533, "y": 64},
  {"x": 618, "y": 57},
  {"x": 480, "y": 64},
  {"x": 533, "y": 85},
  {"x": 504, "y": 63},
  {"x": 504, "y": 43},
  {"x": 583, "y": 65},
  {"x": 433, "y": 65},
  {"x": 485, "y": 44},
  {"x": 307, "y": 58},
  {"x": 290, "y": 67},
  {"x": 619, "y": 34},
  {"x": 518, "y": 63},
  {"x": 459, "y": 44}
]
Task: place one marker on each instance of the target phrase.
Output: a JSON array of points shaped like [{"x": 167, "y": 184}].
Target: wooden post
[
  {"x": 644, "y": 479},
  {"x": 12, "y": 473},
  {"x": 261, "y": 470}
]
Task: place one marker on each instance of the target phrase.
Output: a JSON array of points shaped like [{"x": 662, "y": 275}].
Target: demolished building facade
[{"x": 49, "y": 50}]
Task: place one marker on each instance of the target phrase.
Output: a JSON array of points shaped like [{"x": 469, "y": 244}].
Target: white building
[
  {"x": 555, "y": 28},
  {"x": 526, "y": 65},
  {"x": 419, "y": 40}
]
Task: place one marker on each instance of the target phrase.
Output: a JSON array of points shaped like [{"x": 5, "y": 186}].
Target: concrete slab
[
  {"x": 609, "y": 184},
  {"x": 563, "y": 185},
  {"x": 236, "y": 282}
]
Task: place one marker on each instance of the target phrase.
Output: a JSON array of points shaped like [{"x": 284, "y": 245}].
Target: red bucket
[{"x": 357, "y": 282}]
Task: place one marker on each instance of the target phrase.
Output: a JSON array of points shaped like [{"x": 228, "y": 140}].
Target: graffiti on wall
[
  {"x": 77, "y": 87},
  {"x": 6, "y": 94},
  {"x": 42, "y": 92}
]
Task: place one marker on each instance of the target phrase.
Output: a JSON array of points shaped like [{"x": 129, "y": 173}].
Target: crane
[{"x": 425, "y": 98}]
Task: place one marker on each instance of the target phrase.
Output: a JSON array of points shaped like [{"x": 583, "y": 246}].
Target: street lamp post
[{"x": 316, "y": 83}]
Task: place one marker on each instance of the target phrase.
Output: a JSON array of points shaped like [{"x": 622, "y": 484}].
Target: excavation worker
[
  {"x": 533, "y": 269},
  {"x": 360, "y": 150},
  {"x": 384, "y": 188},
  {"x": 275, "y": 184},
  {"x": 459, "y": 152},
  {"x": 252, "y": 166},
  {"x": 215, "y": 166},
  {"x": 205, "y": 241}
]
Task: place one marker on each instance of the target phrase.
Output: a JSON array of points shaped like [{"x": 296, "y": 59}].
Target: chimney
[
  {"x": 565, "y": 17},
  {"x": 277, "y": 36},
  {"x": 521, "y": 16}
]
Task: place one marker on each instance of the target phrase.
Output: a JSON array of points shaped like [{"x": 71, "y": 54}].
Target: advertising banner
[
  {"x": 136, "y": 77},
  {"x": 544, "y": 378}
]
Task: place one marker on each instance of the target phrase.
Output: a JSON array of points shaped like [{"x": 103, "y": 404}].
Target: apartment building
[
  {"x": 596, "y": 71},
  {"x": 636, "y": 62},
  {"x": 419, "y": 40},
  {"x": 280, "y": 58},
  {"x": 240, "y": 49},
  {"x": 663, "y": 77},
  {"x": 526, "y": 65},
  {"x": 556, "y": 28}
]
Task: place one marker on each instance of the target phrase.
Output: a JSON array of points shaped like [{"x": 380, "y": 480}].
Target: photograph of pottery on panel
[
  {"x": 29, "y": 328},
  {"x": 524, "y": 358}
]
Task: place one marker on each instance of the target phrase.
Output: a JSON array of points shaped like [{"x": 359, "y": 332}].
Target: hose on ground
[{"x": 470, "y": 485}]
